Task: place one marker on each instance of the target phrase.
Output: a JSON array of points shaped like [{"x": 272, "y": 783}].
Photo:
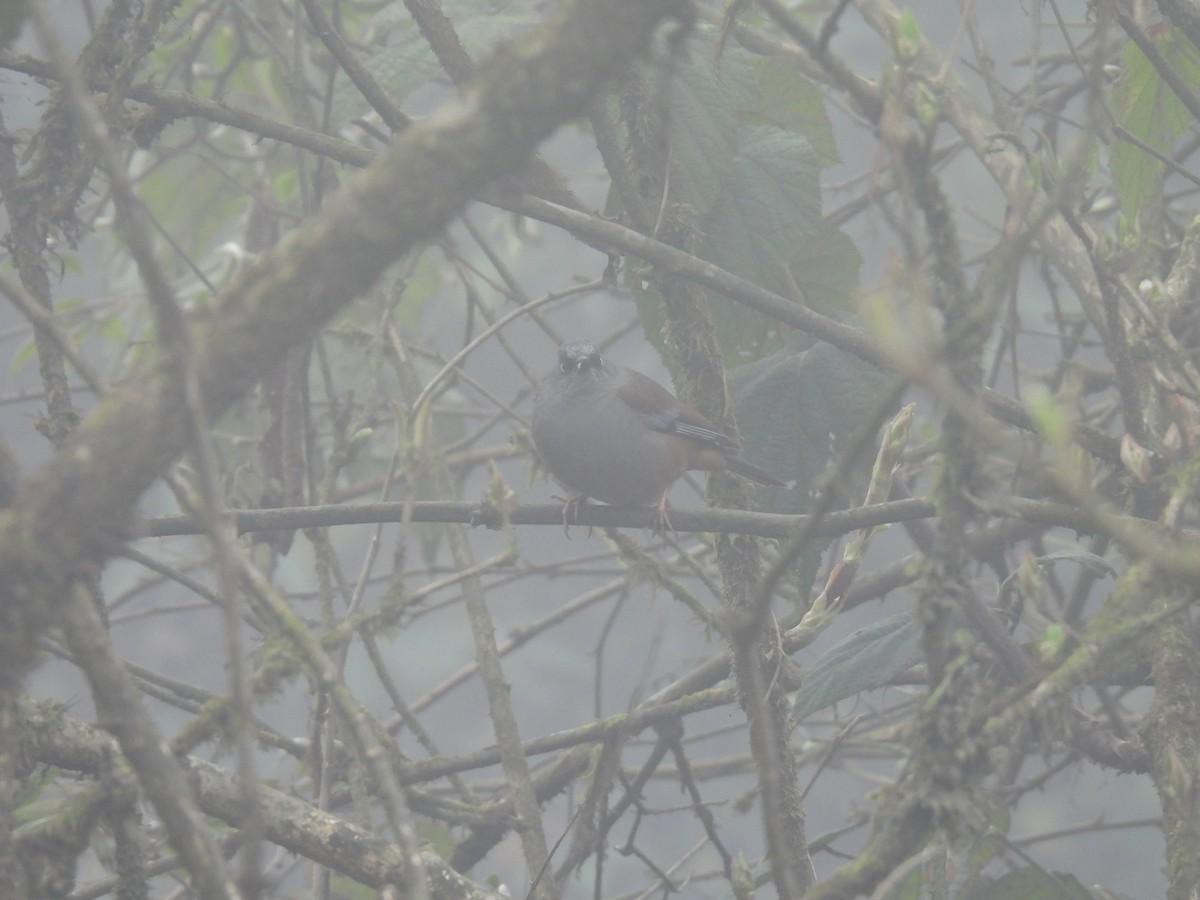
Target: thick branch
[{"x": 70, "y": 512}]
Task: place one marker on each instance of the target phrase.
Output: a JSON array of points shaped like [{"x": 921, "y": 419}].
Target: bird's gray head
[{"x": 579, "y": 356}]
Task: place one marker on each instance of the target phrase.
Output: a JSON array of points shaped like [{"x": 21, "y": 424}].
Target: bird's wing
[{"x": 662, "y": 411}]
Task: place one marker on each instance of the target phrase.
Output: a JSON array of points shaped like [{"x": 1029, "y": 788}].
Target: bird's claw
[
  {"x": 662, "y": 521},
  {"x": 571, "y": 512}
]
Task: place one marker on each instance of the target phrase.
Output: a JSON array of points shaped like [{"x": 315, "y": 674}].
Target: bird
[{"x": 616, "y": 435}]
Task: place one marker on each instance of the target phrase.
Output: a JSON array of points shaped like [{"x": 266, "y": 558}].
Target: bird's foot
[
  {"x": 570, "y": 513},
  {"x": 662, "y": 521}
]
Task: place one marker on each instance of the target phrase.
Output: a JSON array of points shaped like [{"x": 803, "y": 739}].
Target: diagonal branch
[{"x": 70, "y": 512}]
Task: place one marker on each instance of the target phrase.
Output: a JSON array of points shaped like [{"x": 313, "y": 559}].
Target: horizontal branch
[
  {"x": 77, "y": 510},
  {"x": 717, "y": 521},
  {"x": 725, "y": 521}
]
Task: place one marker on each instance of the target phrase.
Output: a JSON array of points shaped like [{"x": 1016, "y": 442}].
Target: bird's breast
[{"x": 598, "y": 447}]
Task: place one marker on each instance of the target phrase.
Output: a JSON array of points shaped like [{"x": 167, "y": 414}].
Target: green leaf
[
  {"x": 707, "y": 99},
  {"x": 1051, "y": 643},
  {"x": 399, "y": 69},
  {"x": 1053, "y": 423},
  {"x": 767, "y": 199},
  {"x": 1149, "y": 110},
  {"x": 348, "y": 889},
  {"x": 222, "y": 45},
  {"x": 982, "y": 849},
  {"x": 25, "y": 353},
  {"x": 113, "y": 328},
  {"x": 789, "y": 101},
  {"x": 211, "y": 203},
  {"x": 420, "y": 287},
  {"x": 908, "y": 35},
  {"x": 753, "y": 188},
  {"x": 869, "y": 658},
  {"x": 825, "y": 266},
  {"x": 407, "y": 62},
  {"x": 795, "y": 406},
  {"x": 1032, "y": 884},
  {"x": 1097, "y": 565},
  {"x": 764, "y": 207}
]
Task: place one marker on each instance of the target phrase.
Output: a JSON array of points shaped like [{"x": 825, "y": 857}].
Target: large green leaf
[
  {"x": 706, "y": 101},
  {"x": 825, "y": 267},
  {"x": 795, "y": 406},
  {"x": 1032, "y": 884},
  {"x": 1149, "y": 110},
  {"x": 741, "y": 160},
  {"x": 407, "y": 62},
  {"x": 788, "y": 100},
  {"x": 868, "y": 659},
  {"x": 768, "y": 198}
]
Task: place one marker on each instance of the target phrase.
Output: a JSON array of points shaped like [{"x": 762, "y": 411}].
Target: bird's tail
[{"x": 751, "y": 471}]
